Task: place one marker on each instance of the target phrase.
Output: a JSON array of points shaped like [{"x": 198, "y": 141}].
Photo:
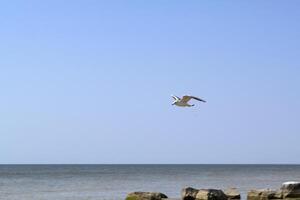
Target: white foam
[{"x": 290, "y": 183}]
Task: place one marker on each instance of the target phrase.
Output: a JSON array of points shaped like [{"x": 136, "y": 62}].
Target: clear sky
[{"x": 90, "y": 81}]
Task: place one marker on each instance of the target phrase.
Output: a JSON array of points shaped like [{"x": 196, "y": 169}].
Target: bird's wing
[
  {"x": 186, "y": 98},
  {"x": 175, "y": 97},
  {"x": 198, "y": 99}
]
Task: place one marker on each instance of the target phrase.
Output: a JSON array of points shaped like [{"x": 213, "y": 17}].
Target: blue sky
[{"x": 90, "y": 81}]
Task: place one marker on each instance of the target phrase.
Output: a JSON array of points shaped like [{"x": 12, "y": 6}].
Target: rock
[
  {"x": 145, "y": 196},
  {"x": 172, "y": 199},
  {"x": 277, "y": 194},
  {"x": 210, "y": 194},
  {"x": 290, "y": 190},
  {"x": 189, "y": 193},
  {"x": 263, "y": 194},
  {"x": 203, "y": 194},
  {"x": 232, "y": 193}
]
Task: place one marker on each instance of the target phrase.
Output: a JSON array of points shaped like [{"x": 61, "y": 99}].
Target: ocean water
[{"x": 113, "y": 182}]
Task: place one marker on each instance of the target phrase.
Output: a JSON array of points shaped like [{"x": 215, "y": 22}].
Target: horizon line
[{"x": 149, "y": 164}]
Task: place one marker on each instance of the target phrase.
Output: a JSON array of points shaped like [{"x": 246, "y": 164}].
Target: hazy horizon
[{"x": 91, "y": 82}]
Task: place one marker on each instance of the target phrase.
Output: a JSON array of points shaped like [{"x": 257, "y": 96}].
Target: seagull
[{"x": 183, "y": 102}]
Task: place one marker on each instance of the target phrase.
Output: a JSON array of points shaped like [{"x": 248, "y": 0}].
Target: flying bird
[{"x": 183, "y": 102}]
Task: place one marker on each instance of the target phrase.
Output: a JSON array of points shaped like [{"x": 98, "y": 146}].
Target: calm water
[{"x": 113, "y": 182}]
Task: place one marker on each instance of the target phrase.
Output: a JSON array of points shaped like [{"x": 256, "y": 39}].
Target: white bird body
[{"x": 183, "y": 102}]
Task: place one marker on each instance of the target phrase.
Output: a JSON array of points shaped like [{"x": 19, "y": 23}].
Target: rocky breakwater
[
  {"x": 188, "y": 194},
  {"x": 288, "y": 191}
]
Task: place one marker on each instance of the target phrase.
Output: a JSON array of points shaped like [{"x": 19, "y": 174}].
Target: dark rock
[
  {"x": 189, "y": 193},
  {"x": 145, "y": 196},
  {"x": 290, "y": 190}
]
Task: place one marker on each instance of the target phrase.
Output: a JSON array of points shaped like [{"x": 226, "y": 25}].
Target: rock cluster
[
  {"x": 263, "y": 194},
  {"x": 288, "y": 191},
  {"x": 188, "y": 194}
]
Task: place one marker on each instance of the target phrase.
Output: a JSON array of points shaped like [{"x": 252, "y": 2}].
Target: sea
[{"x": 113, "y": 182}]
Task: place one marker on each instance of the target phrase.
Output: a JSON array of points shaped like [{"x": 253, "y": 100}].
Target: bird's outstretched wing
[
  {"x": 198, "y": 99},
  {"x": 176, "y": 98},
  {"x": 186, "y": 98}
]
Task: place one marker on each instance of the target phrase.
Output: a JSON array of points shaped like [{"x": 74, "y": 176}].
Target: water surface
[{"x": 113, "y": 182}]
